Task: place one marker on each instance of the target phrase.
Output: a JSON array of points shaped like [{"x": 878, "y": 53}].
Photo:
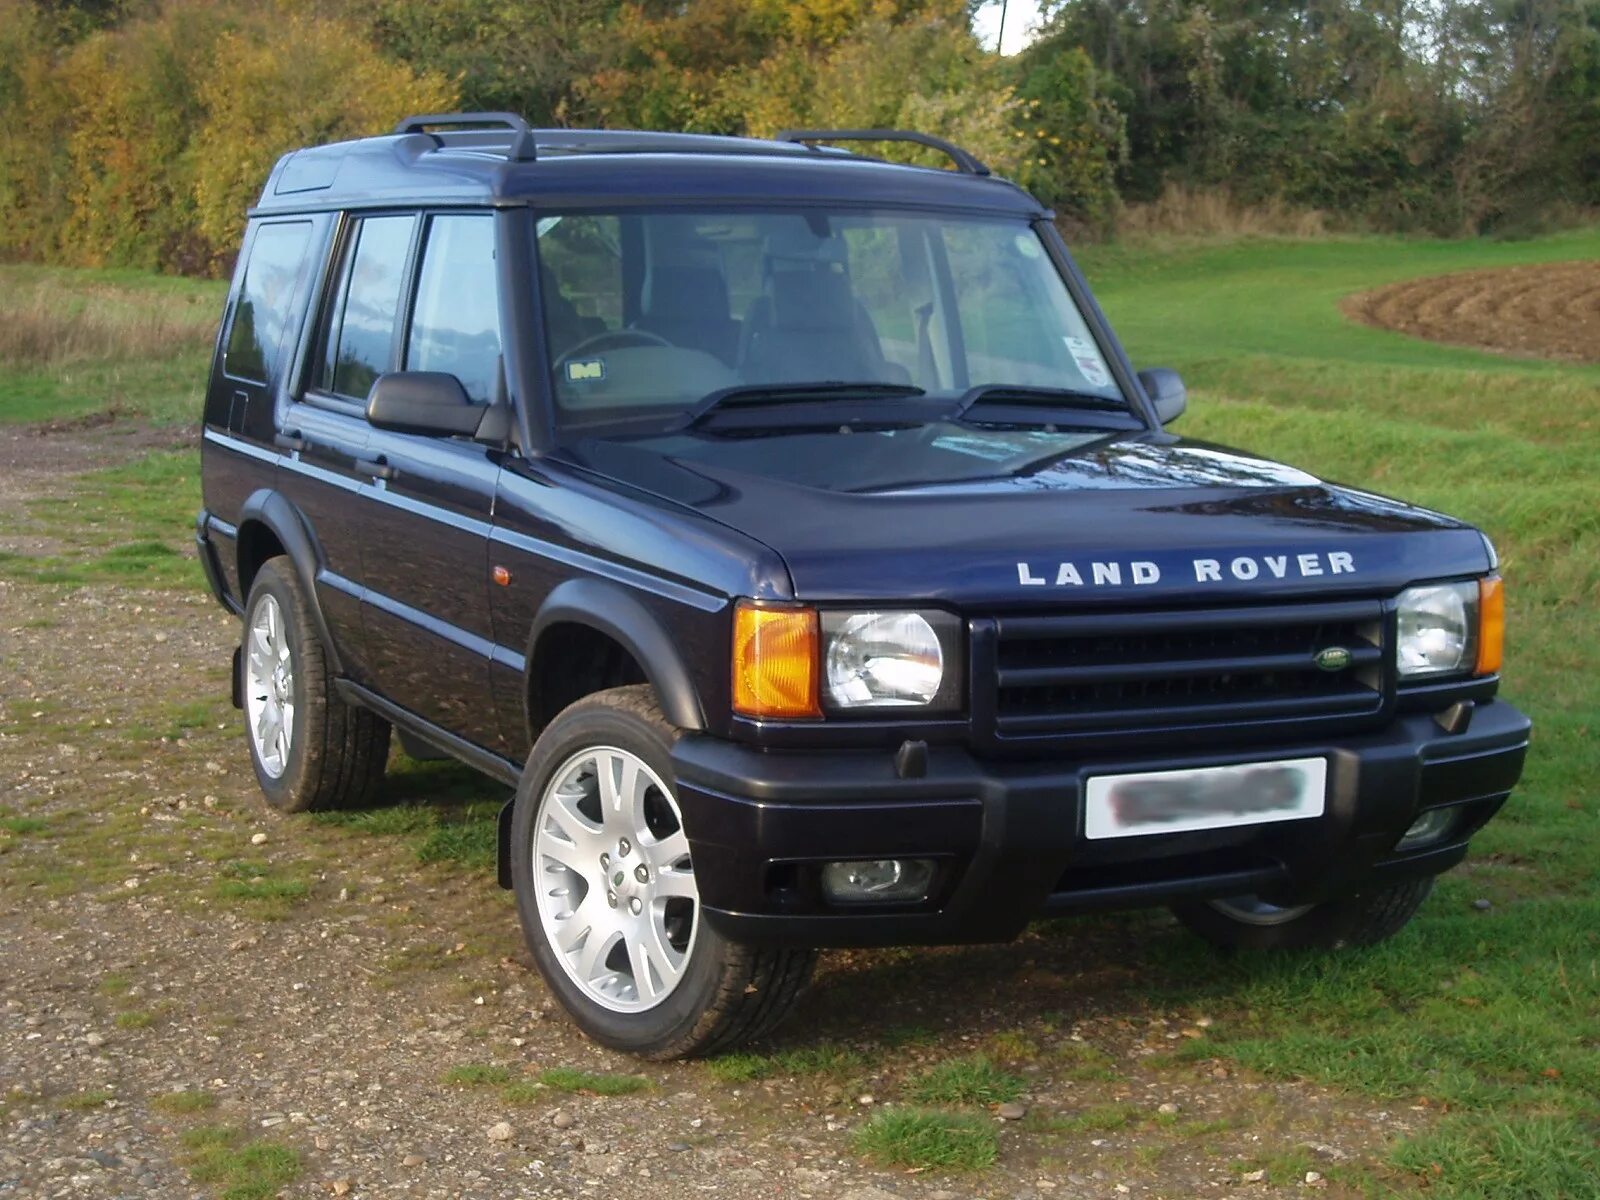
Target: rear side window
[
  {"x": 266, "y": 298},
  {"x": 455, "y": 326},
  {"x": 359, "y": 325}
]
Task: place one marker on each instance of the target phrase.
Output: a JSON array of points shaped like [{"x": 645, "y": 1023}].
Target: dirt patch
[
  {"x": 35, "y": 459},
  {"x": 1547, "y": 311}
]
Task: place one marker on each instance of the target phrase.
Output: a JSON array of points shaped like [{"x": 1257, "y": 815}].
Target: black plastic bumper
[{"x": 1008, "y": 836}]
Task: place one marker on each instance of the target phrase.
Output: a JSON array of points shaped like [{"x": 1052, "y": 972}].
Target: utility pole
[{"x": 1000, "y": 42}]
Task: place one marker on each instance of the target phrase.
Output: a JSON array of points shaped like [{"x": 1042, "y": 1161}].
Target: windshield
[{"x": 647, "y": 314}]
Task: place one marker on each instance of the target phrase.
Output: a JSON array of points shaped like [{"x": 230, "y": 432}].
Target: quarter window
[
  {"x": 359, "y": 326},
  {"x": 266, "y": 298},
  {"x": 455, "y": 327}
]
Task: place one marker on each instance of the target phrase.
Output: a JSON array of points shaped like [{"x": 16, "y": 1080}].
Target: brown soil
[{"x": 1546, "y": 311}]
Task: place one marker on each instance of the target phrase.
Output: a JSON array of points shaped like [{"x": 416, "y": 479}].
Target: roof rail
[
  {"x": 966, "y": 163},
  {"x": 523, "y": 146}
]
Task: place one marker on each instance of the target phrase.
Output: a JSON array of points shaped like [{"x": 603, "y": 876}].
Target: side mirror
[
  {"x": 429, "y": 402},
  {"x": 1166, "y": 392}
]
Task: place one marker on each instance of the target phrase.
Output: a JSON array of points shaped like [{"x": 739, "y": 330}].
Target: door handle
[
  {"x": 378, "y": 468},
  {"x": 289, "y": 439}
]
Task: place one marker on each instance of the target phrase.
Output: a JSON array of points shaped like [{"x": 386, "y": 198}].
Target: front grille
[{"x": 1168, "y": 669}]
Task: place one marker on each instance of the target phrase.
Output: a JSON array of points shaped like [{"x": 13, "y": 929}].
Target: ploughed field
[
  {"x": 1548, "y": 311},
  {"x": 197, "y": 997}
]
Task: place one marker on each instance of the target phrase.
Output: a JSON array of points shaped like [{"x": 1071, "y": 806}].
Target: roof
[{"x": 565, "y": 168}]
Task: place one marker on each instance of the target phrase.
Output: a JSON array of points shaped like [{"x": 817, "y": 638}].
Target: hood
[{"x": 1012, "y": 516}]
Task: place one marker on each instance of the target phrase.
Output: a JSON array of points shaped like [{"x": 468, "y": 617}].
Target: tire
[
  {"x": 701, "y": 992},
  {"x": 1364, "y": 919},
  {"x": 331, "y": 754}
]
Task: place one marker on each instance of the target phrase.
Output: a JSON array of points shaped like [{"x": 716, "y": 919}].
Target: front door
[{"x": 425, "y": 552}]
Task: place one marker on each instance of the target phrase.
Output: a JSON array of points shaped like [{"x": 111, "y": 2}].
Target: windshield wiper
[
  {"x": 757, "y": 395},
  {"x": 1037, "y": 397}
]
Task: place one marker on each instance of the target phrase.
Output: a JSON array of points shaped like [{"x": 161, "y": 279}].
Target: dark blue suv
[{"x": 789, "y": 529}]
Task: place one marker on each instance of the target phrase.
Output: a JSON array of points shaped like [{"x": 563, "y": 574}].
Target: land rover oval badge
[{"x": 1333, "y": 658}]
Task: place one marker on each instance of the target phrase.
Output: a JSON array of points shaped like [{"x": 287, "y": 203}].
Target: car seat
[
  {"x": 807, "y": 324},
  {"x": 688, "y": 306}
]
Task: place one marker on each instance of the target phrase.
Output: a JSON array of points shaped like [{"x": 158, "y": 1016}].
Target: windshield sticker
[
  {"x": 1090, "y": 364},
  {"x": 582, "y": 369}
]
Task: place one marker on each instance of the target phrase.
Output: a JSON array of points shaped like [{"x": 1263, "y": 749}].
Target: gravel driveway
[{"x": 199, "y": 998}]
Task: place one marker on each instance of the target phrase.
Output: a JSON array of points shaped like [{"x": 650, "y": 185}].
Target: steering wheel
[{"x": 615, "y": 339}]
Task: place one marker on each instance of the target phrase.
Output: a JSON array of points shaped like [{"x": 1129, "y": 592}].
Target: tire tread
[{"x": 346, "y": 749}]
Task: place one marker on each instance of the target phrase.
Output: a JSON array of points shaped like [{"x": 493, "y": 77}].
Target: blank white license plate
[{"x": 1205, "y": 798}]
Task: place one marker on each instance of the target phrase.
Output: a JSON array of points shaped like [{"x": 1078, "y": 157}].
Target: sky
[{"x": 1022, "y": 19}]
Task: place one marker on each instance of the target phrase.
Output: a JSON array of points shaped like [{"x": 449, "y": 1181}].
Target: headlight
[
  {"x": 1438, "y": 629},
  {"x": 887, "y": 660}
]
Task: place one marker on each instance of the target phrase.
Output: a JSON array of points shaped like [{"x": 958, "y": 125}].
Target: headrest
[{"x": 701, "y": 289}]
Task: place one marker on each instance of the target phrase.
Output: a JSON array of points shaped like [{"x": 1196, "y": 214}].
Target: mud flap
[
  {"x": 236, "y": 689},
  {"x": 503, "y": 844}
]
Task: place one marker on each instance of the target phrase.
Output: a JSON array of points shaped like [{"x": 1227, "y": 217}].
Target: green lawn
[
  {"x": 79, "y": 342},
  {"x": 1489, "y": 1018}
]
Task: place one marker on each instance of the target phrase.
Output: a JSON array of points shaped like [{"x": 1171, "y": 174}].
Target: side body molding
[
  {"x": 274, "y": 511},
  {"x": 610, "y": 609}
]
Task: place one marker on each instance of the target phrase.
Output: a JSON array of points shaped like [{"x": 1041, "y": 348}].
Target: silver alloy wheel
[
  {"x": 269, "y": 686},
  {"x": 614, "y": 884},
  {"x": 1253, "y": 910}
]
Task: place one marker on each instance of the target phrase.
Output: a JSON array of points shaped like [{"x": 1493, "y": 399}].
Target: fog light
[
  {"x": 878, "y": 880},
  {"x": 1431, "y": 826}
]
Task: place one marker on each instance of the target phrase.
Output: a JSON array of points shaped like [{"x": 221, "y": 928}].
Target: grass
[
  {"x": 1535, "y": 1157},
  {"x": 130, "y": 524},
  {"x": 261, "y": 890},
  {"x": 447, "y": 812},
  {"x": 928, "y": 1139},
  {"x": 85, "y": 1101},
  {"x": 1493, "y": 1016},
  {"x": 594, "y": 1083},
  {"x": 823, "y": 1058},
  {"x": 72, "y": 341},
  {"x": 1097, "y": 1118},
  {"x": 241, "y": 1169},
  {"x": 24, "y": 826},
  {"x": 554, "y": 1079},
  {"x": 185, "y": 1103},
  {"x": 476, "y": 1075},
  {"x": 972, "y": 1080}
]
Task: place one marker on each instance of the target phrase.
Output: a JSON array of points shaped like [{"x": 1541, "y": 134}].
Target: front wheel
[
  {"x": 606, "y": 892},
  {"x": 1251, "y": 923}
]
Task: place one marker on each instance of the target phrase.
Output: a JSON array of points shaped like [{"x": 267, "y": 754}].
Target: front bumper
[{"x": 1008, "y": 836}]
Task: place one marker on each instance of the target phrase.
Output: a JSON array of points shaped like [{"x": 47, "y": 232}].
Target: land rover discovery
[{"x": 789, "y": 529}]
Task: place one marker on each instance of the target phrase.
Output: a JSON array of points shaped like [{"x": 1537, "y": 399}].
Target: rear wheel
[
  {"x": 310, "y": 749},
  {"x": 1251, "y": 923},
  {"x": 606, "y": 891}
]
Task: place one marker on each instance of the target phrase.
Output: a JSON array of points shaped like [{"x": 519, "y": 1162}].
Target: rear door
[
  {"x": 426, "y": 606},
  {"x": 327, "y": 472}
]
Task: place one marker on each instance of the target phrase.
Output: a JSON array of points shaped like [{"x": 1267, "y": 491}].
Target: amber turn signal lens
[
  {"x": 1491, "y": 625},
  {"x": 775, "y": 662}
]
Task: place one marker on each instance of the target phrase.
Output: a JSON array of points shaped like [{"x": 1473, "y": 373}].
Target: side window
[
  {"x": 358, "y": 326},
  {"x": 455, "y": 326},
  {"x": 262, "y": 312}
]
